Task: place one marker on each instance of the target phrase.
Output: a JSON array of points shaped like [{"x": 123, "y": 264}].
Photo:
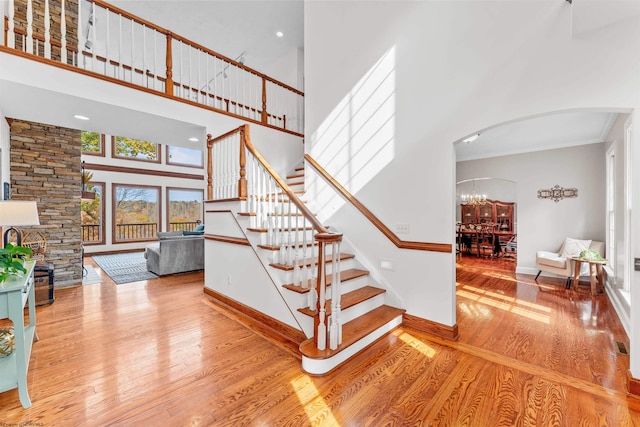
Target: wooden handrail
[
  {"x": 402, "y": 244},
  {"x": 192, "y": 44},
  {"x": 317, "y": 225}
]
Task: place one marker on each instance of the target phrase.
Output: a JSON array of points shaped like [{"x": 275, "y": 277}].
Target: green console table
[{"x": 15, "y": 293}]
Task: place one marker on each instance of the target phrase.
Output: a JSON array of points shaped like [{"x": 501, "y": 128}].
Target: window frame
[
  {"x": 100, "y": 153},
  {"x": 168, "y": 189},
  {"x": 114, "y": 154},
  {"x": 169, "y": 162},
  {"x": 114, "y": 222},
  {"x": 103, "y": 228}
]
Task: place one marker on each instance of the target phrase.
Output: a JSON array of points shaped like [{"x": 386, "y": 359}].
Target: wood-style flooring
[{"x": 159, "y": 353}]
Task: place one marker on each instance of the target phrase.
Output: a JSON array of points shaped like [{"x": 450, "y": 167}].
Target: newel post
[
  {"x": 168, "y": 86},
  {"x": 320, "y": 323},
  {"x": 242, "y": 182},
  {"x": 264, "y": 101},
  {"x": 209, "y": 168}
]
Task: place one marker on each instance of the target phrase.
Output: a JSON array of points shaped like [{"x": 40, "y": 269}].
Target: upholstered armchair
[{"x": 559, "y": 262}]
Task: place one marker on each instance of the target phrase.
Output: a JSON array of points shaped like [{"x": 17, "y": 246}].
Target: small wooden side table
[{"x": 595, "y": 271}]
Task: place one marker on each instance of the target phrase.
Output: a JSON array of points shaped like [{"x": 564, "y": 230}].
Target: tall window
[
  {"x": 92, "y": 211},
  {"x": 136, "y": 212},
  {"x": 611, "y": 212},
  {"x": 92, "y": 143},
  {"x": 184, "y": 156},
  {"x": 135, "y": 149},
  {"x": 185, "y": 208}
]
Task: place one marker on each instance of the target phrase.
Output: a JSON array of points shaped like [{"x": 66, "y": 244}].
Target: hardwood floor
[{"x": 160, "y": 353}]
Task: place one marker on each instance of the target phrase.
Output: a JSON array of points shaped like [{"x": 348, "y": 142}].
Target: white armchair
[{"x": 559, "y": 262}]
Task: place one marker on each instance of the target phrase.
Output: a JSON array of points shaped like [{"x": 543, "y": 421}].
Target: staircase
[{"x": 363, "y": 313}]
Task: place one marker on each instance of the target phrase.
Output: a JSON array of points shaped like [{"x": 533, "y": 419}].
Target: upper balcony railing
[{"x": 110, "y": 42}]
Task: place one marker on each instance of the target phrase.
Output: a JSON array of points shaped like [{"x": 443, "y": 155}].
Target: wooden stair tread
[
  {"x": 348, "y": 300},
  {"x": 353, "y": 331},
  {"x": 345, "y": 275},
  {"x": 307, "y": 261},
  {"x": 277, "y": 248},
  {"x": 295, "y": 183},
  {"x": 295, "y": 175}
]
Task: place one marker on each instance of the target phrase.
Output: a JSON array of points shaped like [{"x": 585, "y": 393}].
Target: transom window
[{"x": 135, "y": 149}]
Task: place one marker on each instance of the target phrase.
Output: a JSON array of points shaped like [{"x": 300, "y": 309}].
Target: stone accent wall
[
  {"x": 71, "y": 15},
  {"x": 45, "y": 166}
]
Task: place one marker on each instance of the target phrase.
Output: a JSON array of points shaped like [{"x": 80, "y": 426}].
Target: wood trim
[
  {"x": 228, "y": 239},
  {"x": 317, "y": 225},
  {"x": 402, "y": 244},
  {"x": 140, "y": 88},
  {"x": 431, "y": 328},
  {"x": 138, "y": 171},
  {"x": 259, "y": 322},
  {"x": 233, "y": 199},
  {"x": 633, "y": 391}
]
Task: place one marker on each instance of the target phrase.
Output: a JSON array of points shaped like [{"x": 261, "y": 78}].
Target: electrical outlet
[{"x": 402, "y": 228}]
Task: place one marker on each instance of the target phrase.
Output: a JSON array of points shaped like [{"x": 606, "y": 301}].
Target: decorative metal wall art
[{"x": 558, "y": 193}]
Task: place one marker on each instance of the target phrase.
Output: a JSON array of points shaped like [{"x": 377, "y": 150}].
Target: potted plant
[{"x": 12, "y": 260}]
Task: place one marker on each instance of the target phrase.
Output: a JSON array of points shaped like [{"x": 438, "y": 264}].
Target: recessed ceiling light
[
  {"x": 279, "y": 34},
  {"x": 194, "y": 139},
  {"x": 80, "y": 117},
  {"x": 471, "y": 138}
]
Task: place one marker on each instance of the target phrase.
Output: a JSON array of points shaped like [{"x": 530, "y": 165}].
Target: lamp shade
[{"x": 19, "y": 212}]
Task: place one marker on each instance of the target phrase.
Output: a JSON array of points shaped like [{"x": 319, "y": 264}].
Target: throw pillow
[
  {"x": 193, "y": 233},
  {"x": 199, "y": 228},
  {"x": 572, "y": 247}
]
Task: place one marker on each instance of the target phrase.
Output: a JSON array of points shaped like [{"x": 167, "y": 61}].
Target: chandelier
[{"x": 473, "y": 199}]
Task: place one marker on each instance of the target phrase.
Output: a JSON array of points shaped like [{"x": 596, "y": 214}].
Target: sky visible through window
[{"x": 185, "y": 156}]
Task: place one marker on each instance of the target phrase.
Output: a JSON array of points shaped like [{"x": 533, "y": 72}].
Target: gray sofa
[{"x": 175, "y": 253}]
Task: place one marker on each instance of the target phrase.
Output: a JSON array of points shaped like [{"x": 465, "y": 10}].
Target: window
[
  {"x": 135, "y": 149},
  {"x": 136, "y": 212},
  {"x": 92, "y": 211},
  {"x": 92, "y": 143},
  {"x": 184, "y": 157},
  {"x": 185, "y": 208},
  {"x": 611, "y": 212}
]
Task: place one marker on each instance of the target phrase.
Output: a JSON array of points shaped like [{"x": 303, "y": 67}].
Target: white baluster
[
  {"x": 120, "y": 67},
  {"x": 29, "y": 46},
  {"x": 11, "y": 34},
  {"x": 145, "y": 76},
  {"x": 322, "y": 328},
  {"x": 47, "y": 30},
  {"x": 63, "y": 33},
  {"x": 335, "y": 298},
  {"x": 133, "y": 41},
  {"x": 296, "y": 261},
  {"x": 304, "y": 280},
  {"x": 107, "y": 61},
  {"x": 290, "y": 237},
  {"x": 79, "y": 36}
]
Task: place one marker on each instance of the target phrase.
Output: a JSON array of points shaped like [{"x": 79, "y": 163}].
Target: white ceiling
[
  {"x": 539, "y": 133},
  {"x": 248, "y": 26}
]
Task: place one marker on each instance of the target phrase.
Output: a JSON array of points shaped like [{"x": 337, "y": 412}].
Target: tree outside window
[
  {"x": 92, "y": 212},
  {"x": 92, "y": 143},
  {"x": 136, "y": 212},
  {"x": 135, "y": 149},
  {"x": 185, "y": 208}
]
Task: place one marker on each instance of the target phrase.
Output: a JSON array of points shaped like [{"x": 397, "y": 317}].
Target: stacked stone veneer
[{"x": 46, "y": 167}]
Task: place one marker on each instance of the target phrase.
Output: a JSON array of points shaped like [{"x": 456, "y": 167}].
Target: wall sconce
[
  {"x": 558, "y": 193},
  {"x": 16, "y": 213}
]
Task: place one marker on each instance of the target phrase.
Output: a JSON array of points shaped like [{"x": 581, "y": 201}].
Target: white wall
[
  {"x": 542, "y": 223},
  {"x": 449, "y": 69}
]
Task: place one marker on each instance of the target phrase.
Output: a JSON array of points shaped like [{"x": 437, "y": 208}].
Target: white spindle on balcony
[
  {"x": 63, "y": 33},
  {"x": 47, "y": 30},
  {"x": 11, "y": 35},
  {"x": 29, "y": 40}
]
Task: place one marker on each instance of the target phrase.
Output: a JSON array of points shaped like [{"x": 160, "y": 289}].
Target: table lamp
[{"x": 17, "y": 213}]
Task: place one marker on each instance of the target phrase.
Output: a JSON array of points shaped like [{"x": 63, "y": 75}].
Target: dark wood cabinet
[{"x": 493, "y": 211}]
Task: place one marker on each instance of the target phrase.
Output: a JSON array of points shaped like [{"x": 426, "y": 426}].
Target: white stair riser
[
  {"x": 322, "y": 366},
  {"x": 360, "y": 309},
  {"x": 344, "y": 265}
]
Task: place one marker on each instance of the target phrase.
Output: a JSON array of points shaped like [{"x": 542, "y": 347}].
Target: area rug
[
  {"x": 125, "y": 268},
  {"x": 90, "y": 276}
]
